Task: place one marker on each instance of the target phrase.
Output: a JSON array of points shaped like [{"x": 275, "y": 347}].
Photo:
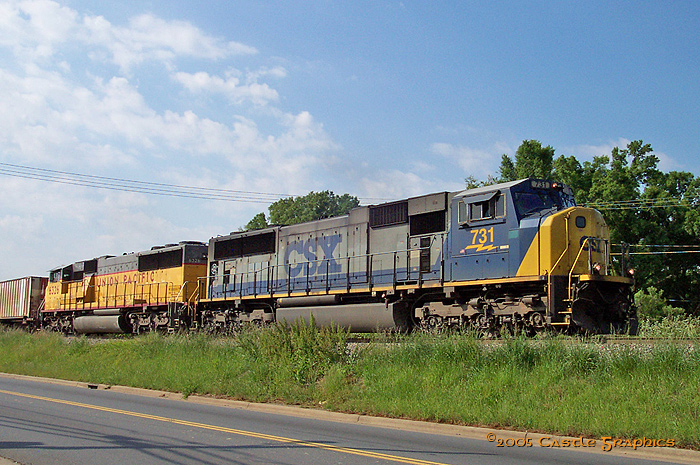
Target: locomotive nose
[{"x": 588, "y": 241}]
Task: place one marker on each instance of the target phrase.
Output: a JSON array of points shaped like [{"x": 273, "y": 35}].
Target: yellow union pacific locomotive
[
  {"x": 152, "y": 290},
  {"x": 518, "y": 254}
]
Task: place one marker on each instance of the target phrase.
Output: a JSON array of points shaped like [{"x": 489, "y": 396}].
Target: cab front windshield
[{"x": 529, "y": 203}]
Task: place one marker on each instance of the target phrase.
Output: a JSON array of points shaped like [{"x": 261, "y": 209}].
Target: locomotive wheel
[
  {"x": 581, "y": 311},
  {"x": 433, "y": 324},
  {"x": 537, "y": 320},
  {"x": 159, "y": 323},
  {"x": 481, "y": 325},
  {"x": 66, "y": 325}
]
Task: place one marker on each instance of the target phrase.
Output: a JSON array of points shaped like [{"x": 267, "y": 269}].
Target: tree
[
  {"x": 531, "y": 160},
  {"x": 652, "y": 305},
  {"x": 310, "y": 207},
  {"x": 643, "y": 206},
  {"x": 577, "y": 176},
  {"x": 473, "y": 183},
  {"x": 258, "y": 222},
  {"x": 507, "y": 169}
]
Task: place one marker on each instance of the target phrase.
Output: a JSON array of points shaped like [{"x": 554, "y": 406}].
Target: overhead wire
[
  {"x": 635, "y": 204},
  {"x": 680, "y": 249},
  {"x": 684, "y": 249},
  {"x": 206, "y": 193},
  {"x": 143, "y": 187}
]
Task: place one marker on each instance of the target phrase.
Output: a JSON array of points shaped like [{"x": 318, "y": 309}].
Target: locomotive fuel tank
[{"x": 358, "y": 317}]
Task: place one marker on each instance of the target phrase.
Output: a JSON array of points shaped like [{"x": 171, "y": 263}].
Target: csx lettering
[
  {"x": 593, "y": 243},
  {"x": 307, "y": 250}
]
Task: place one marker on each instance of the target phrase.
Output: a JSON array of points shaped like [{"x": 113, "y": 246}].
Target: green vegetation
[
  {"x": 652, "y": 306},
  {"x": 309, "y": 207},
  {"x": 671, "y": 327},
  {"x": 553, "y": 385}
]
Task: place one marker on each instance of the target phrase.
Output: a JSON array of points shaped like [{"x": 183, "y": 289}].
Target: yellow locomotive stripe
[
  {"x": 559, "y": 239},
  {"x": 607, "y": 279},
  {"x": 223, "y": 429}
]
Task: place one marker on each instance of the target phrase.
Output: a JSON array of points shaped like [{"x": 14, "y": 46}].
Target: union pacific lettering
[
  {"x": 135, "y": 277},
  {"x": 53, "y": 289}
]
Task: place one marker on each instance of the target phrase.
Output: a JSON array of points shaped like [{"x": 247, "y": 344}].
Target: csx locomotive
[{"x": 519, "y": 254}]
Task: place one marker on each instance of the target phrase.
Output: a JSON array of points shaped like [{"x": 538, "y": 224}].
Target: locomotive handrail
[
  {"x": 549, "y": 272},
  {"x": 322, "y": 279},
  {"x": 122, "y": 292},
  {"x": 181, "y": 291},
  {"x": 584, "y": 244}
]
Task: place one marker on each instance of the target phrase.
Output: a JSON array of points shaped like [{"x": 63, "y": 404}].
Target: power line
[
  {"x": 677, "y": 249},
  {"x": 142, "y": 187},
  {"x": 666, "y": 252},
  {"x": 637, "y": 204},
  {"x": 668, "y": 246}
]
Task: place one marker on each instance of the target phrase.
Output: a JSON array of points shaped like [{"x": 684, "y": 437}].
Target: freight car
[
  {"x": 136, "y": 292},
  {"x": 21, "y": 300},
  {"x": 518, "y": 254}
]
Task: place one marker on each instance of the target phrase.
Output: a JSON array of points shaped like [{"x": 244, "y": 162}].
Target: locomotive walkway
[{"x": 50, "y": 421}]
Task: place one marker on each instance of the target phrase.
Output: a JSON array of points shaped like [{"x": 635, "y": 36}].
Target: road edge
[{"x": 470, "y": 432}]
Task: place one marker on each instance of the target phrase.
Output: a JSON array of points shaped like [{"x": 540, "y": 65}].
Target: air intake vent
[{"x": 388, "y": 214}]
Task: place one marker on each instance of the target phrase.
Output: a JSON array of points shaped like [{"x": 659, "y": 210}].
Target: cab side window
[{"x": 482, "y": 208}]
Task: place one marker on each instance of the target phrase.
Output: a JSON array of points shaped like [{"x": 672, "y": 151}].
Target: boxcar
[{"x": 21, "y": 300}]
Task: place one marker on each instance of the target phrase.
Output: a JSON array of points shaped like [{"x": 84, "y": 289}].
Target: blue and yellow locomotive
[{"x": 518, "y": 254}]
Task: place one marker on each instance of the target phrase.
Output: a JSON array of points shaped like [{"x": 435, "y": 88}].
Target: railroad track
[{"x": 598, "y": 340}]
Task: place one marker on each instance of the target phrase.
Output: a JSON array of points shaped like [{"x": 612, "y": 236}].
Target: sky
[{"x": 379, "y": 99}]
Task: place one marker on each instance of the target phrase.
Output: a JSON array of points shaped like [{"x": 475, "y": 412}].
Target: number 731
[{"x": 482, "y": 235}]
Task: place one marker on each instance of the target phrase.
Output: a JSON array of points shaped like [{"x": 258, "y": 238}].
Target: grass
[
  {"x": 671, "y": 327},
  {"x": 550, "y": 385}
]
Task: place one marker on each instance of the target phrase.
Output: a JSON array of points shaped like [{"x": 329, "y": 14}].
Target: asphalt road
[{"x": 48, "y": 423}]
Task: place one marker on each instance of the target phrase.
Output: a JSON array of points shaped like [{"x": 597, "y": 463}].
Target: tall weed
[{"x": 671, "y": 327}]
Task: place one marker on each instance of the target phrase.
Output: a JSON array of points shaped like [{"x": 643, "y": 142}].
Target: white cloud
[
  {"x": 33, "y": 28},
  {"x": 149, "y": 37},
  {"x": 230, "y": 86},
  {"x": 587, "y": 152},
  {"x": 479, "y": 163},
  {"x": 668, "y": 163},
  {"x": 393, "y": 184},
  {"x": 65, "y": 111}
]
